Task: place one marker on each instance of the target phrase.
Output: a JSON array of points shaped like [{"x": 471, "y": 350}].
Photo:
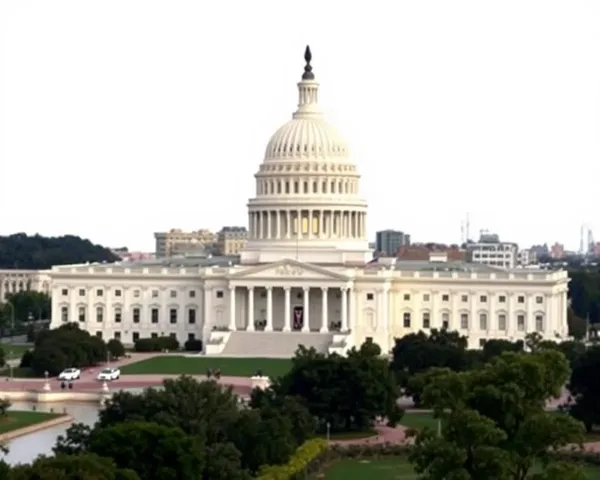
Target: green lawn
[
  {"x": 16, "y": 419},
  {"x": 14, "y": 350},
  {"x": 393, "y": 468},
  {"x": 234, "y": 367}
]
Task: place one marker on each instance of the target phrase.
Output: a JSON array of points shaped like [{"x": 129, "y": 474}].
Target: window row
[
  {"x": 484, "y": 323},
  {"x": 278, "y": 187},
  {"x": 465, "y": 298},
  {"x": 137, "y": 293},
  {"x": 135, "y": 336},
  {"x": 136, "y": 315}
]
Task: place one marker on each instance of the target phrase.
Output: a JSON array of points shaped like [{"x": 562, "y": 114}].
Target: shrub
[
  {"x": 26, "y": 359},
  {"x": 194, "y": 345},
  {"x": 115, "y": 348},
  {"x": 306, "y": 454},
  {"x": 156, "y": 344}
]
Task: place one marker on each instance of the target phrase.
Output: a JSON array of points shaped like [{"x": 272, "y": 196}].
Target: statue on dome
[{"x": 308, "y": 75}]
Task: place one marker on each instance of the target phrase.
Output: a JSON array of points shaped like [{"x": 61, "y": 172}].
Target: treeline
[{"x": 21, "y": 251}]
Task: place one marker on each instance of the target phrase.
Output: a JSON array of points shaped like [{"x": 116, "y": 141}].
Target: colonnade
[{"x": 306, "y": 224}]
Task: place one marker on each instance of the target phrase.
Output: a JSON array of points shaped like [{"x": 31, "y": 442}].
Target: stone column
[
  {"x": 306, "y": 324},
  {"x": 288, "y": 224},
  {"x": 324, "y": 308},
  {"x": 269, "y": 325},
  {"x": 310, "y": 224},
  {"x": 286, "y": 312},
  {"x": 232, "y": 308},
  {"x": 344, "y": 326},
  {"x": 529, "y": 319},
  {"x": 250, "y": 327},
  {"x": 493, "y": 317},
  {"x": 269, "y": 226},
  {"x": 352, "y": 314}
]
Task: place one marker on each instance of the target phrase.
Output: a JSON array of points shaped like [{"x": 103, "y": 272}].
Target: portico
[{"x": 287, "y": 308}]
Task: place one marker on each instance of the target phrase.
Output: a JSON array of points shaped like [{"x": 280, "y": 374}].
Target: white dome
[{"x": 306, "y": 138}]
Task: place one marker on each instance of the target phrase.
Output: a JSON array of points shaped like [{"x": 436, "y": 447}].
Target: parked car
[
  {"x": 69, "y": 374},
  {"x": 109, "y": 374}
]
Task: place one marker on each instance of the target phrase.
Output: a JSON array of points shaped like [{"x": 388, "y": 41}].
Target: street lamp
[{"x": 328, "y": 431}]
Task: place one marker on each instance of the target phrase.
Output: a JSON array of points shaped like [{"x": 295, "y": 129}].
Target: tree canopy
[
  {"x": 36, "y": 252},
  {"x": 493, "y": 420}
]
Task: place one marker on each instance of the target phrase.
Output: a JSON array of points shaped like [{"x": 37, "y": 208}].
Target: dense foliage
[
  {"x": 25, "y": 306},
  {"x": 191, "y": 430},
  {"x": 156, "y": 344},
  {"x": 344, "y": 393},
  {"x": 36, "y": 252},
  {"x": 494, "y": 423},
  {"x": 64, "y": 347}
]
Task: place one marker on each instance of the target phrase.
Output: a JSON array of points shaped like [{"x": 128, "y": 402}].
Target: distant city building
[
  {"x": 135, "y": 256},
  {"x": 489, "y": 250},
  {"x": 232, "y": 240},
  {"x": 424, "y": 252},
  {"x": 540, "y": 250},
  {"x": 388, "y": 242},
  {"x": 15, "y": 281},
  {"x": 557, "y": 250},
  {"x": 178, "y": 242}
]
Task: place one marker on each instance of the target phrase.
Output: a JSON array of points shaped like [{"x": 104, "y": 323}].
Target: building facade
[
  {"x": 306, "y": 274},
  {"x": 232, "y": 240},
  {"x": 177, "y": 242},
  {"x": 388, "y": 242},
  {"x": 14, "y": 281}
]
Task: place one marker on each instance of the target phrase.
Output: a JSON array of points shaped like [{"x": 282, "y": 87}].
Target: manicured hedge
[
  {"x": 306, "y": 454},
  {"x": 157, "y": 344},
  {"x": 193, "y": 345}
]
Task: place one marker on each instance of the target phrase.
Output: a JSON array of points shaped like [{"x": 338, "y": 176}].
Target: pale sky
[{"x": 121, "y": 118}]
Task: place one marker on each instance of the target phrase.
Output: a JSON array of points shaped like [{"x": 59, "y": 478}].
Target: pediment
[{"x": 290, "y": 269}]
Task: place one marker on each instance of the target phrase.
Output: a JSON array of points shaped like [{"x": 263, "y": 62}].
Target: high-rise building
[
  {"x": 178, "y": 242},
  {"x": 388, "y": 242}
]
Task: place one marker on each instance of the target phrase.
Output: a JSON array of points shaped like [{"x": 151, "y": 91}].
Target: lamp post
[
  {"x": 328, "y": 431},
  {"x": 10, "y": 364}
]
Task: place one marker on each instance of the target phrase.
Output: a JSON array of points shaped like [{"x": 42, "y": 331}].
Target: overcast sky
[{"x": 122, "y": 118}]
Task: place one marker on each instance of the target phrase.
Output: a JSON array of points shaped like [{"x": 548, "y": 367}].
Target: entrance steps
[{"x": 273, "y": 344}]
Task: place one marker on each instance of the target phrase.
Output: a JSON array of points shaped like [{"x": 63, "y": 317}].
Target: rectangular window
[
  {"x": 99, "y": 314},
  {"x": 369, "y": 296},
  {"x": 173, "y": 293},
  {"x": 65, "y": 292},
  {"x": 539, "y": 323},
  {"x": 502, "y": 322},
  {"x": 464, "y": 321},
  {"x": 502, "y": 299},
  {"x": 117, "y": 335},
  {"x": 173, "y": 315},
  {"x": 445, "y": 298},
  {"x": 135, "y": 336},
  {"x": 81, "y": 314},
  {"x": 406, "y": 320},
  {"x": 99, "y": 334},
  {"x": 136, "y": 294},
  {"x": 426, "y": 297},
  {"x": 521, "y": 323},
  {"x": 426, "y": 320},
  {"x": 99, "y": 293},
  {"x": 192, "y": 293},
  {"x": 191, "y": 336},
  {"x": 483, "y": 321},
  {"x": 219, "y": 293},
  {"x": 64, "y": 314},
  {"x": 173, "y": 335},
  {"x": 407, "y": 297},
  {"x": 521, "y": 299},
  {"x": 154, "y": 335},
  {"x": 136, "y": 315},
  {"x": 464, "y": 298},
  {"x": 192, "y": 315},
  {"x": 154, "y": 293},
  {"x": 482, "y": 299},
  {"x": 117, "y": 293},
  {"x": 539, "y": 300},
  {"x": 81, "y": 292},
  {"x": 118, "y": 315},
  {"x": 154, "y": 315},
  {"x": 445, "y": 321}
]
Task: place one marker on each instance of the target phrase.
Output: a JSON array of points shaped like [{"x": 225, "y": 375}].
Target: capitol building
[{"x": 306, "y": 275}]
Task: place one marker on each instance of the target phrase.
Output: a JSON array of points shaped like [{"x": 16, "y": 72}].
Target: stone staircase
[{"x": 273, "y": 344}]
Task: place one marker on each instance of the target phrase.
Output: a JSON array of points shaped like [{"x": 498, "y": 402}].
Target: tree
[
  {"x": 348, "y": 393},
  {"x": 30, "y": 305},
  {"x": 64, "y": 347},
  {"x": 71, "y": 467},
  {"x": 584, "y": 386},
  {"x": 495, "y": 347},
  {"x": 115, "y": 348},
  {"x": 151, "y": 450},
  {"x": 418, "y": 352},
  {"x": 493, "y": 420},
  {"x": 578, "y": 326},
  {"x": 38, "y": 253}
]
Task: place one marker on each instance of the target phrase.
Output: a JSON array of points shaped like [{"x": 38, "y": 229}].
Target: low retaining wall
[
  {"x": 37, "y": 396},
  {"x": 19, "y": 432}
]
